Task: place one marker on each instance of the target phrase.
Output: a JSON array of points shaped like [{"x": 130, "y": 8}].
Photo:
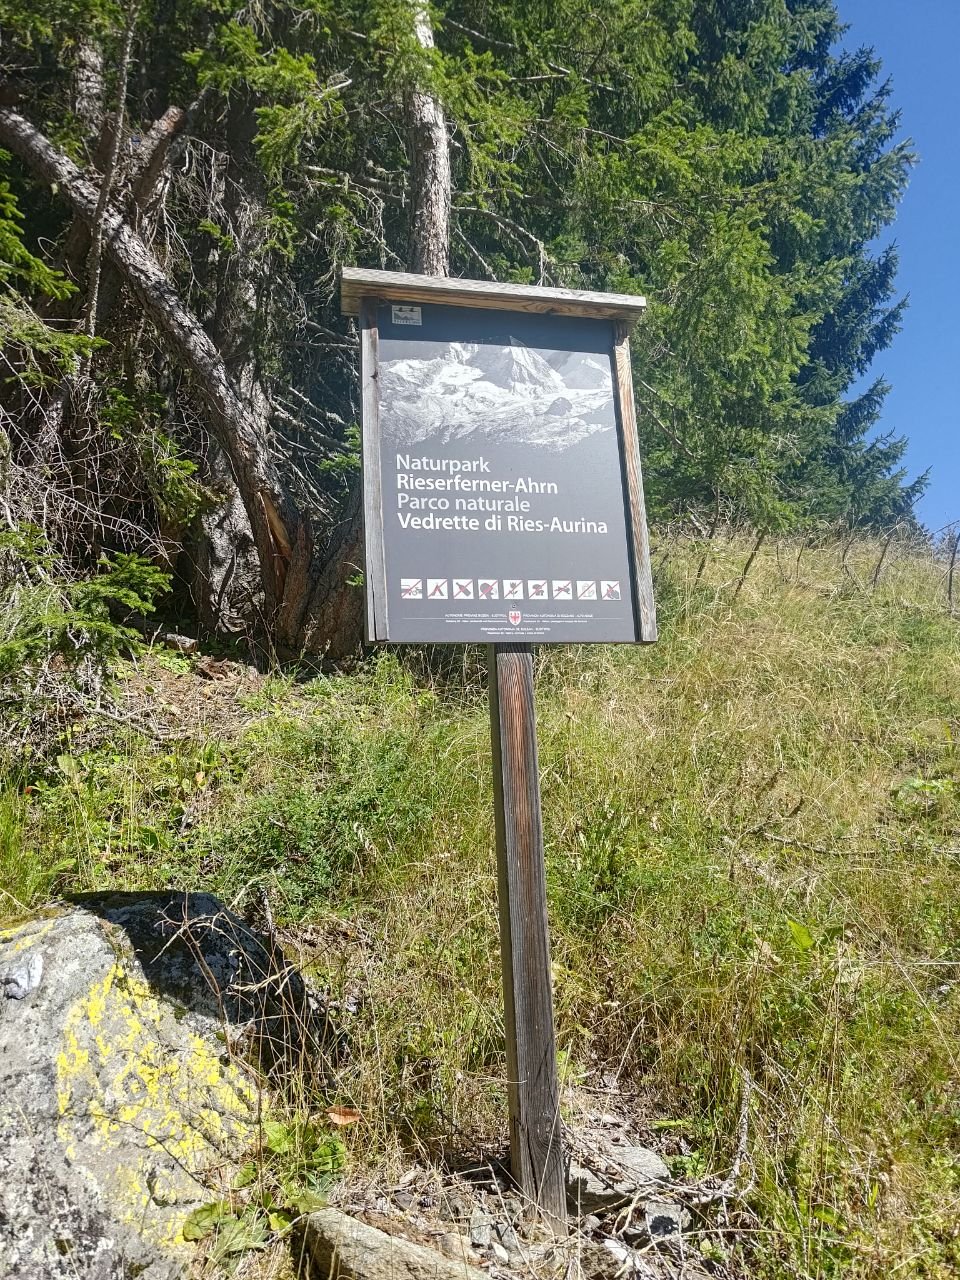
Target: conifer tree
[{"x": 721, "y": 158}]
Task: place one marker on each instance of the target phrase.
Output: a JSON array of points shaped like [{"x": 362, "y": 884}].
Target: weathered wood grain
[
  {"x": 375, "y": 578},
  {"x": 536, "y": 1150},
  {"x": 626, "y": 410},
  {"x": 357, "y": 283}
]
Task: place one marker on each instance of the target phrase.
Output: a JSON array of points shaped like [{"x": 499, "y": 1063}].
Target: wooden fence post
[
  {"x": 951, "y": 570},
  {"x": 536, "y": 1148}
]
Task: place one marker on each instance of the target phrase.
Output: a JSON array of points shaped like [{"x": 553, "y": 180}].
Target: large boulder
[{"x": 127, "y": 1025}]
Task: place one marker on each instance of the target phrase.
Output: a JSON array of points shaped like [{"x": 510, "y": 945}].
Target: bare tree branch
[{"x": 239, "y": 426}]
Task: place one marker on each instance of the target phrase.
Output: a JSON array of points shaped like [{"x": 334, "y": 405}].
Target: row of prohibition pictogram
[{"x": 508, "y": 589}]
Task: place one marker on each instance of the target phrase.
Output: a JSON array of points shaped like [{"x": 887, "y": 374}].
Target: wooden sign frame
[
  {"x": 363, "y": 292},
  {"x": 536, "y": 1137}
]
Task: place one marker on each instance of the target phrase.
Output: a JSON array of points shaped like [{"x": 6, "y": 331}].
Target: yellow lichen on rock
[
  {"x": 125, "y": 1084},
  {"x": 124, "y": 1108},
  {"x": 21, "y": 937}
]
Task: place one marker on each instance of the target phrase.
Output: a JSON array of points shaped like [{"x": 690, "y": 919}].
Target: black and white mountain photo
[{"x": 497, "y": 390}]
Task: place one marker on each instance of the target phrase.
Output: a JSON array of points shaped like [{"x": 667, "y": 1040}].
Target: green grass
[{"x": 753, "y": 836}]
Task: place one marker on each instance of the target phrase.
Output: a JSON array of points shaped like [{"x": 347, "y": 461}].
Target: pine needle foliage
[{"x": 726, "y": 159}]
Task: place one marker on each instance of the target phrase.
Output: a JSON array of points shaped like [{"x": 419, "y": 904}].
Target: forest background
[
  {"x": 752, "y": 827},
  {"x": 183, "y": 181}
]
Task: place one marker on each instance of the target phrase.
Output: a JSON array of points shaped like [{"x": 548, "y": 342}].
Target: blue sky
[{"x": 918, "y": 42}]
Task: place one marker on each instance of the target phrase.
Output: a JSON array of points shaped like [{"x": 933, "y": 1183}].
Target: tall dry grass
[{"x": 753, "y": 841}]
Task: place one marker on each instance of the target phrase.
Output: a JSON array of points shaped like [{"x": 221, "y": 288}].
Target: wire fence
[{"x": 902, "y": 564}]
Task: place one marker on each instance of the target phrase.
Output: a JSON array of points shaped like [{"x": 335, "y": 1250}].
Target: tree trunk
[
  {"x": 309, "y": 601},
  {"x": 430, "y": 186},
  {"x": 224, "y": 569},
  {"x": 331, "y": 619},
  {"x": 88, "y": 88},
  {"x": 240, "y": 427},
  {"x": 95, "y": 256},
  {"x": 143, "y": 178}
]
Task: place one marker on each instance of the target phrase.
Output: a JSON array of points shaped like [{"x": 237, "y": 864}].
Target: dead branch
[
  {"x": 728, "y": 1187},
  {"x": 516, "y": 232},
  {"x": 559, "y": 71},
  {"x": 142, "y": 175},
  {"x": 239, "y": 426},
  {"x": 848, "y": 547},
  {"x": 474, "y": 252},
  {"x": 658, "y": 421},
  {"x": 883, "y": 555},
  {"x": 750, "y": 559}
]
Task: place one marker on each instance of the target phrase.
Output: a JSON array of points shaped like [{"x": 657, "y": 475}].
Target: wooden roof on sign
[{"x": 398, "y": 286}]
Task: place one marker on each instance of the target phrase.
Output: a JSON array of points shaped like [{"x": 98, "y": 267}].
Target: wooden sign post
[
  {"x": 503, "y": 504},
  {"x": 536, "y": 1144}
]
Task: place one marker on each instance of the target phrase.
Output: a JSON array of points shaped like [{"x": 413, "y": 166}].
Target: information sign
[
  {"x": 498, "y": 460},
  {"x": 503, "y": 503}
]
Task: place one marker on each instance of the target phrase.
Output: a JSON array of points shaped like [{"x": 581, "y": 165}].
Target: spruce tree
[{"x": 721, "y": 158}]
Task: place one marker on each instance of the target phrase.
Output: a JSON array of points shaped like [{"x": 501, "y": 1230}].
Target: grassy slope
[{"x": 753, "y": 863}]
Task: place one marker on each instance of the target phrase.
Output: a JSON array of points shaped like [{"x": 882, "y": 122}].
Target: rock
[
  {"x": 628, "y": 1262},
  {"x": 481, "y": 1229},
  {"x": 453, "y": 1245},
  {"x": 619, "y": 1250},
  {"x": 587, "y": 1192},
  {"x": 457, "y": 1208},
  {"x": 510, "y": 1240},
  {"x": 664, "y": 1219},
  {"x": 213, "y": 668},
  {"x": 344, "y": 1249},
  {"x": 512, "y": 1208},
  {"x": 500, "y": 1253},
  {"x": 640, "y": 1165},
  {"x": 122, "y": 1107},
  {"x": 24, "y": 977},
  {"x": 182, "y": 644},
  {"x": 598, "y": 1261},
  {"x": 635, "y": 1171}
]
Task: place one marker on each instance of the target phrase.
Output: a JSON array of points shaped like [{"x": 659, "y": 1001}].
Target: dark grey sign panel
[{"x": 503, "y": 498}]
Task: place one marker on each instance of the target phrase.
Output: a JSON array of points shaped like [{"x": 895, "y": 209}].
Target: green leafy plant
[
  {"x": 299, "y": 1161},
  {"x": 78, "y": 622}
]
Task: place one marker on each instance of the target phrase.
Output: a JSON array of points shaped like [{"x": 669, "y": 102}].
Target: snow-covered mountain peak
[
  {"x": 495, "y": 390},
  {"x": 511, "y": 364}
]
